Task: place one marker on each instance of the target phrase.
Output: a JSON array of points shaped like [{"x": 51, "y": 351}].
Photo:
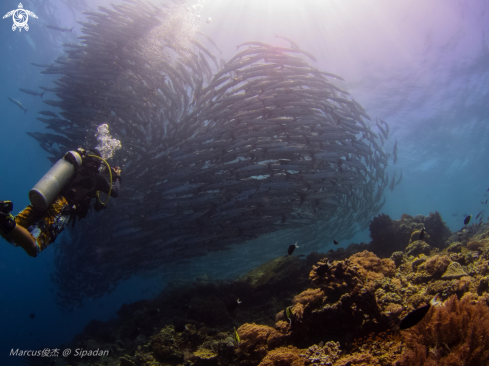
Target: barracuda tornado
[{"x": 216, "y": 153}]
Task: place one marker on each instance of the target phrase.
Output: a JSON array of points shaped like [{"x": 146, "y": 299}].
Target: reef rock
[
  {"x": 455, "y": 247},
  {"x": 397, "y": 258},
  {"x": 454, "y": 270},
  {"x": 418, "y": 247},
  {"x": 437, "y": 265},
  {"x": 477, "y": 244},
  {"x": 322, "y": 355}
]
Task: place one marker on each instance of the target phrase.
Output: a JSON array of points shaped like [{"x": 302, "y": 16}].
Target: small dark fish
[
  {"x": 233, "y": 305},
  {"x": 60, "y": 29},
  {"x": 33, "y": 315},
  {"x": 415, "y": 316},
  {"x": 335, "y": 242},
  {"x": 292, "y": 248},
  {"x": 331, "y": 251},
  {"x": 467, "y": 219},
  {"x": 421, "y": 234},
  {"x": 478, "y": 215}
]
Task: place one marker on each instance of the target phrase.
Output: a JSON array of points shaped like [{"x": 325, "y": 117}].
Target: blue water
[{"x": 421, "y": 66}]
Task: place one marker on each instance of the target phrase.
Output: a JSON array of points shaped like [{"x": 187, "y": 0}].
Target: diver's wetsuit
[{"x": 73, "y": 202}]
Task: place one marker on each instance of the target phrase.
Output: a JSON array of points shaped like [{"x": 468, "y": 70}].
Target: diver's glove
[
  {"x": 7, "y": 221},
  {"x": 116, "y": 173}
]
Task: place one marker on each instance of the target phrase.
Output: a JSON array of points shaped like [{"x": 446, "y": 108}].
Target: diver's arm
[
  {"x": 116, "y": 178},
  {"x": 102, "y": 184},
  {"x": 116, "y": 186}
]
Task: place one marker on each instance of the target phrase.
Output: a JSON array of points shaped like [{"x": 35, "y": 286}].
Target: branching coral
[{"x": 456, "y": 333}]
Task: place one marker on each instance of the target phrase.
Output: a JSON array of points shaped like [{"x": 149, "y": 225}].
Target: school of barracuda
[{"x": 214, "y": 154}]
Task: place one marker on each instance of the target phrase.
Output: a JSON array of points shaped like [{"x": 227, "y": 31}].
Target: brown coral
[
  {"x": 372, "y": 267},
  {"x": 283, "y": 356},
  {"x": 349, "y": 306},
  {"x": 437, "y": 265},
  {"x": 309, "y": 296},
  {"x": 456, "y": 333},
  {"x": 257, "y": 340},
  {"x": 418, "y": 247},
  {"x": 475, "y": 244}
]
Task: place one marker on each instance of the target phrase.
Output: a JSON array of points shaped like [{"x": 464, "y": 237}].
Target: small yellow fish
[
  {"x": 288, "y": 314},
  {"x": 236, "y": 337}
]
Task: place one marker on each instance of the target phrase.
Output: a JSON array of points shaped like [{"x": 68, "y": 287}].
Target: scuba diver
[{"x": 62, "y": 195}]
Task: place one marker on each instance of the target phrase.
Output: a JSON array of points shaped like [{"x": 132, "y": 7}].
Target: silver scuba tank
[{"x": 54, "y": 180}]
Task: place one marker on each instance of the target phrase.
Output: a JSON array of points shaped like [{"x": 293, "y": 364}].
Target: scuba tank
[{"x": 54, "y": 180}]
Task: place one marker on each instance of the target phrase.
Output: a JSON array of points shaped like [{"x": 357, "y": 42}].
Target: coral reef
[
  {"x": 344, "y": 300},
  {"x": 339, "y": 309}
]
